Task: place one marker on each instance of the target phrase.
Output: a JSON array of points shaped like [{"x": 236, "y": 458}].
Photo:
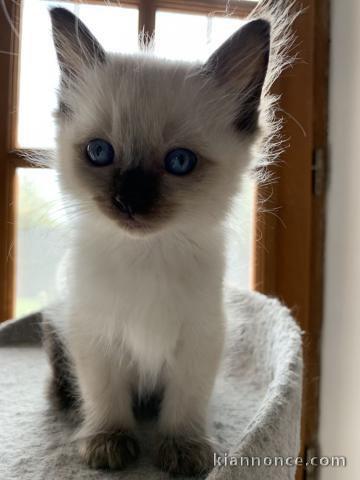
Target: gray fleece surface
[{"x": 255, "y": 409}]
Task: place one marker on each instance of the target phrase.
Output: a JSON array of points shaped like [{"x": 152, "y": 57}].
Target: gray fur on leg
[{"x": 62, "y": 389}]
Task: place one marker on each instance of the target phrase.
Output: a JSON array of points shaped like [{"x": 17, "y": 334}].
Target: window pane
[
  {"x": 240, "y": 244},
  {"x": 41, "y": 225},
  {"x": 203, "y": 35},
  {"x": 187, "y": 36},
  {"x": 170, "y": 40},
  {"x": 116, "y": 28}
]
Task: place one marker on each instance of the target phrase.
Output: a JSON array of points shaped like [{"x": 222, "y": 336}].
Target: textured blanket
[{"x": 255, "y": 411}]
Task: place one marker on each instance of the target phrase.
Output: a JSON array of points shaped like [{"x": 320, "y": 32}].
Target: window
[
  {"x": 288, "y": 243},
  {"x": 40, "y": 218}
]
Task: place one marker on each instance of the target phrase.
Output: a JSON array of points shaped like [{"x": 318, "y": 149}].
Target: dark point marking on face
[
  {"x": 136, "y": 191},
  {"x": 64, "y": 110}
]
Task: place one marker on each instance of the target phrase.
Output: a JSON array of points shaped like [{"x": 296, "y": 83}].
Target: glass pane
[
  {"x": 116, "y": 28},
  {"x": 170, "y": 40},
  {"x": 203, "y": 35},
  {"x": 41, "y": 224},
  {"x": 240, "y": 243}
]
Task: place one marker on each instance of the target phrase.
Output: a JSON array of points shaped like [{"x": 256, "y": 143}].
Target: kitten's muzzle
[{"x": 135, "y": 191}]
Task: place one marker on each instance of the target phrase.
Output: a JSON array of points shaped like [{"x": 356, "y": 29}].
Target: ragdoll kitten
[{"x": 151, "y": 152}]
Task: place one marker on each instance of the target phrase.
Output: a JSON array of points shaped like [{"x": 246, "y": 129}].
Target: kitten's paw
[
  {"x": 113, "y": 451},
  {"x": 185, "y": 456}
]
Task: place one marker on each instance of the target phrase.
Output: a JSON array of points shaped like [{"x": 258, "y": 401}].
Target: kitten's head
[{"x": 152, "y": 144}]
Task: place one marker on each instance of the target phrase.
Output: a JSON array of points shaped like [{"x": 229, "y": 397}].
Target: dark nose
[
  {"x": 121, "y": 205},
  {"x": 135, "y": 191}
]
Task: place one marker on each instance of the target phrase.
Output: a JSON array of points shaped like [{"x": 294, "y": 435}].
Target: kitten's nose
[
  {"x": 136, "y": 191},
  {"x": 121, "y": 205}
]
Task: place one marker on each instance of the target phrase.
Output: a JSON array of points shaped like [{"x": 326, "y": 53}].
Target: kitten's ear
[
  {"x": 74, "y": 44},
  {"x": 240, "y": 64}
]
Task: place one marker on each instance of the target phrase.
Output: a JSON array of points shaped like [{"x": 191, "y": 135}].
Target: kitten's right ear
[
  {"x": 240, "y": 65},
  {"x": 74, "y": 44}
]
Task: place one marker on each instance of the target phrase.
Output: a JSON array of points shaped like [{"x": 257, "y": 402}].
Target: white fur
[{"x": 148, "y": 312}]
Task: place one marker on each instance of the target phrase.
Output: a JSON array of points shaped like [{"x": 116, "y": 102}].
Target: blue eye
[
  {"x": 100, "y": 152},
  {"x": 180, "y": 161}
]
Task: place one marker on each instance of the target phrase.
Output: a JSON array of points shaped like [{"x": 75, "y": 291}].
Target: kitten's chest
[
  {"x": 152, "y": 326},
  {"x": 151, "y": 333},
  {"x": 144, "y": 300},
  {"x": 143, "y": 307}
]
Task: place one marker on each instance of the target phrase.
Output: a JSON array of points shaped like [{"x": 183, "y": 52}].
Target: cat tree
[{"x": 255, "y": 412}]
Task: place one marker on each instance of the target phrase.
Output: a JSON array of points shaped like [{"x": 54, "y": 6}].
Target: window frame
[{"x": 288, "y": 259}]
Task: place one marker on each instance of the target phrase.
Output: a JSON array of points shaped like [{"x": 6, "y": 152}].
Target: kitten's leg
[
  {"x": 105, "y": 438},
  {"x": 184, "y": 447},
  {"x": 62, "y": 389}
]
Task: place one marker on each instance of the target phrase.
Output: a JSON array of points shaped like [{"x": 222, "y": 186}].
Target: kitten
[{"x": 151, "y": 151}]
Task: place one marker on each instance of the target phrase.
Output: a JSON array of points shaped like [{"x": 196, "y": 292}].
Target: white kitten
[{"x": 152, "y": 153}]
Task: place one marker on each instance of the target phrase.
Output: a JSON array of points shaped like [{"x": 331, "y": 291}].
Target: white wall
[{"x": 340, "y": 382}]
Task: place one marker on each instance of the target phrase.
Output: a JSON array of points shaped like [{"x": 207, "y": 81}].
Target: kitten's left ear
[
  {"x": 75, "y": 46},
  {"x": 240, "y": 65}
]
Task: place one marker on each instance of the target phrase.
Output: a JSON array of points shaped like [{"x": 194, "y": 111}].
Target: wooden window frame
[{"x": 289, "y": 244}]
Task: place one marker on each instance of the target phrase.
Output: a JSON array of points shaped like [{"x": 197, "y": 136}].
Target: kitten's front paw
[
  {"x": 113, "y": 451},
  {"x": 185, "y": 456}
]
